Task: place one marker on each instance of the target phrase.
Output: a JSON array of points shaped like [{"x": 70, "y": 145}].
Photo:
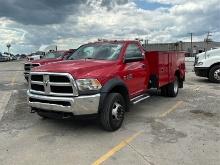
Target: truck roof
[{"x": 116, "y": 41}]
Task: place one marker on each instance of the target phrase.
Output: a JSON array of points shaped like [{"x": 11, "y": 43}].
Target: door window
[{"x": 133, "y": 51}]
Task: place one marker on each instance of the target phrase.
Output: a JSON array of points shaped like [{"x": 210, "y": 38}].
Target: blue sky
[{"x": 143, "y": 4}]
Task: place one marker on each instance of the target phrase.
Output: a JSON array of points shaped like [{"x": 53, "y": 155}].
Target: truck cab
[
  {"x": 103, "y": 79},
  {"x": 207, "y": 64}
]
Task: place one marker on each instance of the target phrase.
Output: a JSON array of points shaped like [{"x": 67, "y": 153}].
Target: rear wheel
[
  {"x": 164, "y": 91},
  {"x": 214, "y": 74},
  {"x": 173, "y": 88},
  {"x": 112, "y": 115}
]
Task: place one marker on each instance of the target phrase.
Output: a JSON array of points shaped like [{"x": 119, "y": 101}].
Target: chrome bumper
[{"x": 81, "y": 105}]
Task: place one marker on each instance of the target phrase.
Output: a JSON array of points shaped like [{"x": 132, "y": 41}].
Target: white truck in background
[
  {"x": 207, "y": 64},
  {"x": 41, "y": 52}
]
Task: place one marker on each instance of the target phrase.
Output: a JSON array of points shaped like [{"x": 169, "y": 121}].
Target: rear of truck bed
[{"x": 164, "y": 66}]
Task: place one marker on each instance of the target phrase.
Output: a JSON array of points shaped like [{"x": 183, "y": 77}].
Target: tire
[
  {"x": 214, "y": 74},
  {"x": 112, "y": 114},
  {"x": 173, "y": 88},
  {"x": 26, "y": 78},
  {"x": 42, "y": 115},
  {"x": 163, "y": 91}
]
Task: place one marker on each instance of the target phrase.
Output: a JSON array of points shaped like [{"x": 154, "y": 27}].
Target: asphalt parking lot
[{"x": 158, "y": 131}]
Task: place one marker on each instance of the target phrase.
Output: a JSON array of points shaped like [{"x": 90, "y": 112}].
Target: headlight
[
  {"x": 199, "y": 63},
  {"x": 88, "y": 84}
]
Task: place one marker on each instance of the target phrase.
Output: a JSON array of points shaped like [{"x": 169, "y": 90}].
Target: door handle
[{"x": 143, "y": 66}]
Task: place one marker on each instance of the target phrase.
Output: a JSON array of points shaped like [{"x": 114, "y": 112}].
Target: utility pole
[
  {"x": 191, "y": 52},
  {"x": 8, "y": 46},
  {"x": 207, "y": 40}
]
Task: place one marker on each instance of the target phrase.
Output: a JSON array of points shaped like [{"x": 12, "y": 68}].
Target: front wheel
[
  {"x": 112, "y": 114},
  {"x": 214, "y": 74},
  {"x": 26, "y": 78},
  {"x": 42, "y": 115}
]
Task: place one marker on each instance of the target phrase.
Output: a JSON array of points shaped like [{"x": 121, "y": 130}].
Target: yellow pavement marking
[
  {"x": 173, "y": 108},
  {"x": 14, "y": 79},
  {"x": 125, "y": 142},
  {"x": 116, "y": 149},
  {"x": 197, "y": 88}
]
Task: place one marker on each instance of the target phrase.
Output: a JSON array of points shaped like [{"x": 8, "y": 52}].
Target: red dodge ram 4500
[{"x": 104, "y": 78}]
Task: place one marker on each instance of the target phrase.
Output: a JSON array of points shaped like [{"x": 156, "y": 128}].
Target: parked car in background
[
  {"x": 50, "y": 57},
  {"x": 6, "y": 56},
  {"x": 23, "y": 56},
  {"x": 3, "y": 58},
  {"x": 43, "y": 50},
  {"x": 9, "y": 56},
  {"x": 13, "y": 57},
  {"x": 35, "y": 56},
  {"x": 207, "y": 64}
]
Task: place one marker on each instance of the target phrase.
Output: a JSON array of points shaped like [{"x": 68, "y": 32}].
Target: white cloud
[
  {"x": 125, "y": 21},
  {"x": 173, "y": 2}
]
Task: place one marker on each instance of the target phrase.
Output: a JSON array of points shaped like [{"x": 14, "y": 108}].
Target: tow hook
[
  {"x": 66, "y": 116},
  {"x": 33, "y": 110}
]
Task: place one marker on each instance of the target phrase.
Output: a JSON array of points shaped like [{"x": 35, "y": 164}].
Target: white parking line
[{"x": 4, "y": 101}]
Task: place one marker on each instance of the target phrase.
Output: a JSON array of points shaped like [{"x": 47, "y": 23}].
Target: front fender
[{"x": 109, "y": 87}]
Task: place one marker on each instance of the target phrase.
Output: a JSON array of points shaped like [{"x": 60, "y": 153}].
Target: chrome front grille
[
  {"x": 52, "y": 84},
  {"x": 27, "y": 67}
]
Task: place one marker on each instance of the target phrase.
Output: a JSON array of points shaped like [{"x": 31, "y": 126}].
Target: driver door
[{"x": 135, "y": 71}]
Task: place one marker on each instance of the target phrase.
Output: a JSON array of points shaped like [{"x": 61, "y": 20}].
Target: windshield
[
  {"x": 98, "y": 51},
  {"x": 53, "y": 55}
]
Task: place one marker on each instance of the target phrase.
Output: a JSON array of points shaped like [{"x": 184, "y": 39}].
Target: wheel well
[
  {"x": 123, "y": 91},
  {"x": 177, "y": 73},
  {"x": 116, "y": 89},
  {"x": 218, "y": 63}
]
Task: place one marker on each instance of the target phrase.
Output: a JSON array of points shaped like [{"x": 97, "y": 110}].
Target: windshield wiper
[{"x": 89, "y": 58}]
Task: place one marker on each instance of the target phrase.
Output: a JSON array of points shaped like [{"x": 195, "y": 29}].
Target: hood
[
  {"x": 208, "y": 54},
  {"x": 46, "y": 61},
  {"x": 81, "y": 68}
]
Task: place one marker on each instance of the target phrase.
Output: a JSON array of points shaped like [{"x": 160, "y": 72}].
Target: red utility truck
[
  {"x": 104, "y": 78},
  {"x": 54, "y": 56}
]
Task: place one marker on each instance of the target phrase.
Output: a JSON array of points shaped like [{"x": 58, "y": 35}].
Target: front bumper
[
  {"x": 201, "y": 71},
  {"x": 81, "y": 105}
]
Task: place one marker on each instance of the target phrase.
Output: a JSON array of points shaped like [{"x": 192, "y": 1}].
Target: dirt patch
[
  {"x": 165, "y": 134},
  {"x": 201, "y": 112}
]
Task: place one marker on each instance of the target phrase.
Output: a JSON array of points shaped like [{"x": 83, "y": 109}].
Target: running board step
[{"x": 139, "y": 98}]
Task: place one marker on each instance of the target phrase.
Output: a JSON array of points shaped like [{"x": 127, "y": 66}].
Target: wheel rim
[
  {"x": 217, "y": 74},
  {"x": 175, "y": 86},
  {"x": 117, "y": 111}
]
